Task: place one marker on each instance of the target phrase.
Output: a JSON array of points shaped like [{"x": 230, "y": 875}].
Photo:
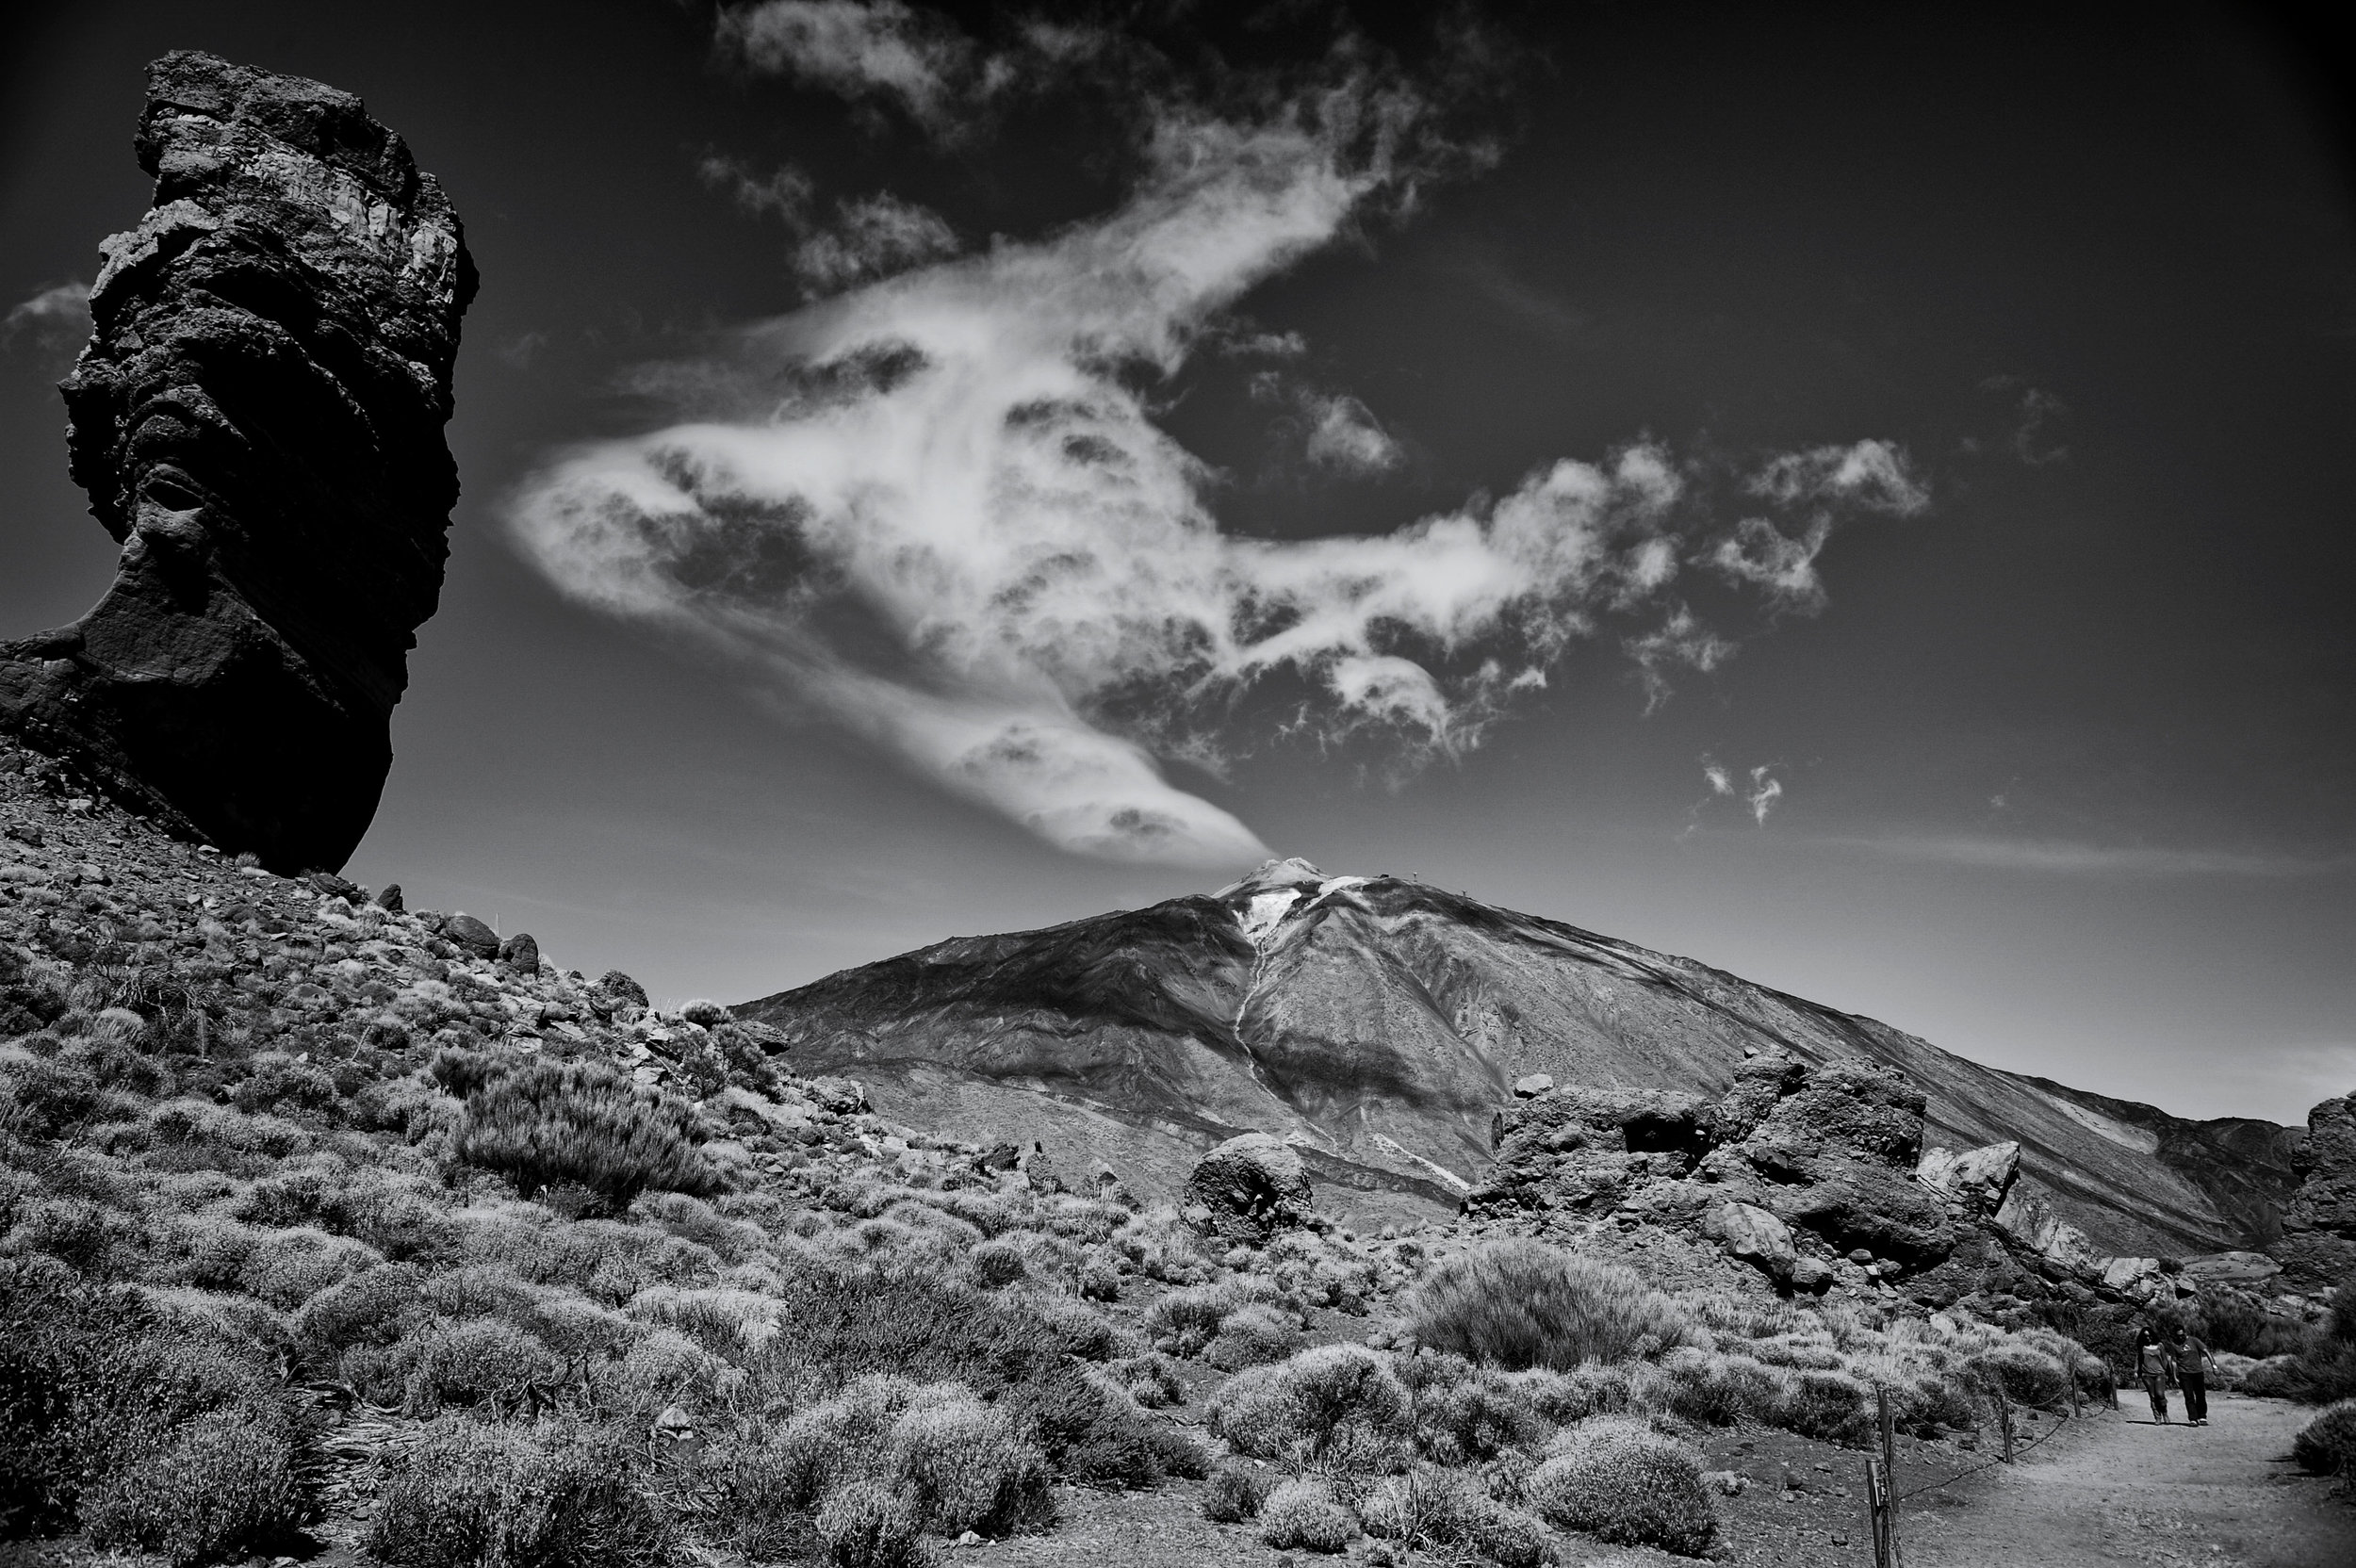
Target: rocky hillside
[
  {"x": 1381, "y": 1026},
  {"x": 258, "y": 421}
]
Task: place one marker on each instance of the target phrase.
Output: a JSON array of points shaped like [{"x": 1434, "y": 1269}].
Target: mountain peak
[{"x": 1293, "y": 872}]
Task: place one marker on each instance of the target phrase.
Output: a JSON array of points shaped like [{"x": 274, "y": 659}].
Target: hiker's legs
[
  {"x": 2196, "y": 1397},
  {"x": 2157, "y": 1388}
]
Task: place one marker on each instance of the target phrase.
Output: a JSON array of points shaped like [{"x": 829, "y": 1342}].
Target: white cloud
[
  {"x": 871, "y": 237},
  {"x": 55, "y": 320},
  {"x": 1345, "y": 437},
  {"x": 1721, "y": 782},
  {"x": 1764, "y": 791},
  {"x": 938, "y": 509},
  {"x": 877, "y": 49},
  {"x": 2065, "y": 857},
  {"x": 785, "y": 191}
]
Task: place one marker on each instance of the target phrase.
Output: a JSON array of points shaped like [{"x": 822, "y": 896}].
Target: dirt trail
[{"x": 2121, "y": 1489}]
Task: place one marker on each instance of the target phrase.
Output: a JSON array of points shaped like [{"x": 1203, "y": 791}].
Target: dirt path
[{"x": 2121, "y": 1489}]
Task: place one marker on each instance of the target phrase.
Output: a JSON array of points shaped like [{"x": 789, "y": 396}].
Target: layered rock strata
[{"x": 258, "y": 420}]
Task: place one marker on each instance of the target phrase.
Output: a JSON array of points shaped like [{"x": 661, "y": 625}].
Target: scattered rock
[
  {"x": 470, "y": 936},
  {"x": 389, "y": 898},
  {"x": 1250, "y": 1187},
  {"x": 1980, "y": 1177},
  {"x": 335, "y": 887},
  {"x": 1533, "y": 1085},
  {"x": 1756, "y": 1236},
  {"x": 257, "y": 420}
]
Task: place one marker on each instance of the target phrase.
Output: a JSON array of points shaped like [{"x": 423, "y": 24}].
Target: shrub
[
  {"x": 225, "y": 1486},
  {"x": 1302, "y": 1512},
  {"x": 1338, "y": 1404},
  {"x": 547, "y": 1124},
  {"x": 865, "y": 1524},
  {"x": 1465, "y": 1414},
  {"x": 1621, "y": 1481},
  {"x": 485, "y": 1361},
  {"x": 1237, "y": 1493},
  {"x": 376, "y": 1306},
  {"x": 1185, "y": 1321},
  {"x": 1432, "y": 1508},
  {"x": 1521, "y": 1303},
  {"x": 2026, "y": 1375},
  {"x": 468, "y": 1495},
  {"x": 2235, "y": 1324},
  {"x": 848, "y": 1322},
  {"x": 1829, "y": 1405},
  {"x": 105, "y": 1408},
  {"x": 1251, "y": 1336},
  {"x": 964, "y": 1467},
  {"x": 2327, "y": 1444}
]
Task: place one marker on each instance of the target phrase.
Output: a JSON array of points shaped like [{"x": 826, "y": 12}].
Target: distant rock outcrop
[{"x": 258, "y": 420}]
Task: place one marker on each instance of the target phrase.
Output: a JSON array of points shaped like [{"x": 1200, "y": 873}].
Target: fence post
[
  {"x": 2073, "y": 1391},
  {"x": 1878, "y": 1507},
  {"x": 2004, "y": 1417}
]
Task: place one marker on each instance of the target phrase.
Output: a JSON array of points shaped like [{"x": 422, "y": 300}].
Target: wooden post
[
  {"x": 1879, "y": 1507},
  {"x": 2073, "y": 1393},
  {"x": 2004, "y": 1417},
  {"x": 1889, "y": 1427}
]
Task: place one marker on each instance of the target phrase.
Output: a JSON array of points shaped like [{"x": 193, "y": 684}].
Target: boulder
[
  {"x": 1978, "y": 1177},
  {"x": 2231, "y": 1268},
  {"x": 388, "y": 898},
  {"x": 1856, "y": 1204},
  {"x": 257, "y": 420},
  {"x": 1250, "y": 1187},
  {"x": 1756, "y": 1236},
  {"x": 619, "y": 991},
  {"x": 1532, "y": 1085},
  {"x": 470, "y": 936},
  {"x": 2060, "y": 1247},
  {"x": 520, "y": 952},
  {"x": 2319, "y": 1244}
]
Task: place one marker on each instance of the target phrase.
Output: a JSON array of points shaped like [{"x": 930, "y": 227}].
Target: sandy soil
[{"x": 2119, "y": 1489}]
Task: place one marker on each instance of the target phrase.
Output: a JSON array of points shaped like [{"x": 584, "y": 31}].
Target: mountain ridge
[{"x": 1380, "y": 1024}]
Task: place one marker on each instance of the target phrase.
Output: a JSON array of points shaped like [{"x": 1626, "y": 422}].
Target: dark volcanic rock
[
  {"x": 257, "y": 419},
  {"x": 2319, "y": 1244},
  {"x": 1249, "y": 1188}
]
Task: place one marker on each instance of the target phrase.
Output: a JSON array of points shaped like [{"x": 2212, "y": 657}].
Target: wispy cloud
[
  {"x": 871, "y": 237},
  {"x": 55, "y": 321},
  {"x": 2068, "y": 858},
  {"x": 939, "y": 510}
]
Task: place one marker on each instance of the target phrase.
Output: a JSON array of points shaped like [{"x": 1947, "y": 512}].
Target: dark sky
[{"x": 2064, "y": 755}]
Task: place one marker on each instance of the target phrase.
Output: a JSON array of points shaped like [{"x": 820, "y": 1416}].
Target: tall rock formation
[{"x": 258, "y": 421}]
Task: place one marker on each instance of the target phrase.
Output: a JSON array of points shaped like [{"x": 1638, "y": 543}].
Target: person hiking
[
  {"x": 2151, "y": 1365},
  {"x": 2192, "y": 1373}
]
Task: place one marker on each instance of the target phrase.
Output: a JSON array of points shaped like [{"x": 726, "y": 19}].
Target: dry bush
[
  {"x": 965, "y": 1467},
  {"x": 483, "y": 1361},
  {"x": 1619, "y": 1480},
  {"x": 1520, "y": 1303},
  {"x": 1467, "y": 1414},
  {"x": 1303, "y": 1513},
  {"x": 1339, "y": 1405},
  {"x": 1185, "y": 1322},
  {"x": 1237, "y": 1493},
  {"x": 224, "y": 1484},
  {"x": 1430, "y": 1508},
  {"x": 866, "y": 1524},
  {"x": 1252, "y": 1335},
  {"x": 2327, "y": 1444},
  {"x": 545, "y": 1124},
  {"x": 471, "y": 1496},
  {"x": 1150, "y": 1379}
]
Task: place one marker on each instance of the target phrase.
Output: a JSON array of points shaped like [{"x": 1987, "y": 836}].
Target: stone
[
  {"x": 1533, "y": 1084},
  {"x": 520, "y": 952},
  {"x": 1979, "y": 1177},
  {"x": 470, "y": 936},
  {"x": 2061, "y": 1246},
  {"x": 1250, "y": 1187},
  {"x": 1812, "y": 1274},
  {"x": 2319, "y": 1244},
  {"x": 258, "y": 422},
  {"x": 622, "y": 991},
  {"x": 2231, "y": 1268},
  {"x": 2137, "y": 1278},
  {"x": 1858, "y": 1204},
  {"x": 388, "y": 899},
  {"x": 1754, "y": 1235}
]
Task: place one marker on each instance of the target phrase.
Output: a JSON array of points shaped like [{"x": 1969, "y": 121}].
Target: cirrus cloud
[{"x": 938, "y": 509}]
